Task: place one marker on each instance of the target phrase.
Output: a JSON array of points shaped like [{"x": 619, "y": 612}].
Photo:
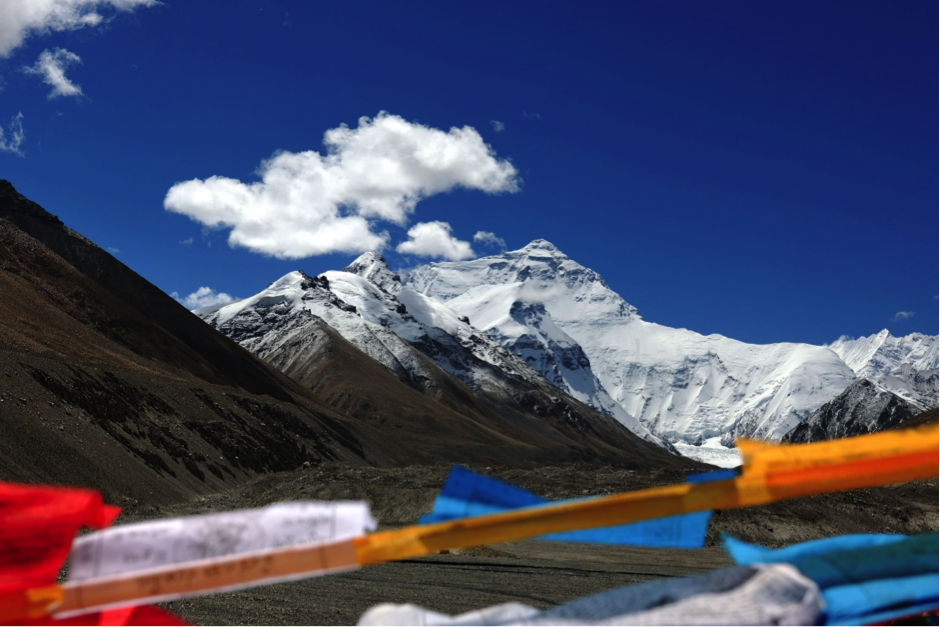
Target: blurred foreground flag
[
  {"x": 129, "y": 615},
  {"x": 770, "y": 473},
  {"x": 171, "y": 542},
  {"x": 37, "y": 526},
  {"x": 774, "y": 594},
  {"x": 174, "y": 558},
  {"x": 864, "y": 579},
  {"x": 466, "y": 494},
  {"x": 114, "y": 570}
]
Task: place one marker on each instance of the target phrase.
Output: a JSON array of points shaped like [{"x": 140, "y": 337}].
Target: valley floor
[{"x": 536, "y": 573}]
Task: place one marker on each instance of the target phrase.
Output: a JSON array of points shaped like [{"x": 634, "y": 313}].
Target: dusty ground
[
  {"x": 534, "y": 573},
  {"x": 537, "y": 573}
]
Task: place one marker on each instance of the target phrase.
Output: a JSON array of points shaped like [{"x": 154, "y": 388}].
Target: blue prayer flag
[{"x": 466, "y": 494}]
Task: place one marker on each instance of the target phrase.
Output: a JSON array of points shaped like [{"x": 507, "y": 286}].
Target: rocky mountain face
[
  {"x": 107, "y": 382},
  {"x": 182, "y": 343},
  {"x": 418, "y": 339},
  {"x": 684, "y": 387},
  {"x": 376, "y": 322},
  {"x": 862, "y": 408},
  {"x": 907, "y": 366}
]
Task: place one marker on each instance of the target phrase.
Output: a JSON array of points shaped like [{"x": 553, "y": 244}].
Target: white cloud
[
  {"x": 113, "y": 250},
  {"x": 17, "y": 135},
  {"x": 188, "y": 242},
  {"x": 51, "y": 67},
  {"x": 498, "y": 126},
  {"x": 21, "y": 18},
  {"x": 489, "y": 239},
  {"x": 204, "y": 297},
  {"x": 433, "y": 239},
  {"x": 902, "y": 315},
  {"x": 312, "y": 204}
]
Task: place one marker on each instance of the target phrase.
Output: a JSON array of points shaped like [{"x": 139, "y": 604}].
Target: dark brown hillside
[
  {"x": 923, "y": 418},
  {"x": 182, "y": 342},
  {"x": 78, "y": 407}
]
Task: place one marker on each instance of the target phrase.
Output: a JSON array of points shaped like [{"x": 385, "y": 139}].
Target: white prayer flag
[{"x": 157, "y": 544}]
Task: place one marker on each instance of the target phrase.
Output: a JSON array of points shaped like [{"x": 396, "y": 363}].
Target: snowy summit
[{"x": 536, "y": 316}]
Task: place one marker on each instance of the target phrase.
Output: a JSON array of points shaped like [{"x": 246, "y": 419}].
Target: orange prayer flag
[{"x": 787, "y": 471}]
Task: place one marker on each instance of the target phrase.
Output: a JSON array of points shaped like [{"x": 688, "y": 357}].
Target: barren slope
[{"x": 78, "y": 404}]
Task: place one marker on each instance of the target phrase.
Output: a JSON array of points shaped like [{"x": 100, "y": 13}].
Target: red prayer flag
[
  {"x": 37, "y": 526},
  {"x": 923, "y": 618},
  {"x": 131, "y": 615}
]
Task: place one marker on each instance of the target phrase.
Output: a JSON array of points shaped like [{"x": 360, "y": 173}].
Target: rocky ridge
[
  {"x": 907, "y": 366},
  {"x": 862, "y": 408},
  {"x": 536, "y": 319}
]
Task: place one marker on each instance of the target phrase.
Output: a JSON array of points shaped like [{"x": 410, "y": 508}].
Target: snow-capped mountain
[
  {"x": 394, "y": 324},
  {"x": 864, "y": 407},
  {"x": 536, "y": 319},
  {"x": 906, "y": 366},
  {"x": 363, "y": 313},
  {"x": 685, "y": 387}
]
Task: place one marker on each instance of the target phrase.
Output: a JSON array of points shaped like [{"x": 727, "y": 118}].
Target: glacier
[{"x": 695, "y": 391}]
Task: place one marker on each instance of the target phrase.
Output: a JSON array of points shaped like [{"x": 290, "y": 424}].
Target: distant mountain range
[{"x": 534, "y": 317}]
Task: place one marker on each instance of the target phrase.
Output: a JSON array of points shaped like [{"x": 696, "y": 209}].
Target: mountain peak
[
  {"x": 296, "y": 277},
  {"x": 542, "y": 245},
  {"x": 369, "y": 258},
  {"x": 373, "y": 267}
]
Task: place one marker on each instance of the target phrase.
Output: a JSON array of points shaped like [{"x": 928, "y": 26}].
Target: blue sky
[{"x": 763, "y": 170}]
